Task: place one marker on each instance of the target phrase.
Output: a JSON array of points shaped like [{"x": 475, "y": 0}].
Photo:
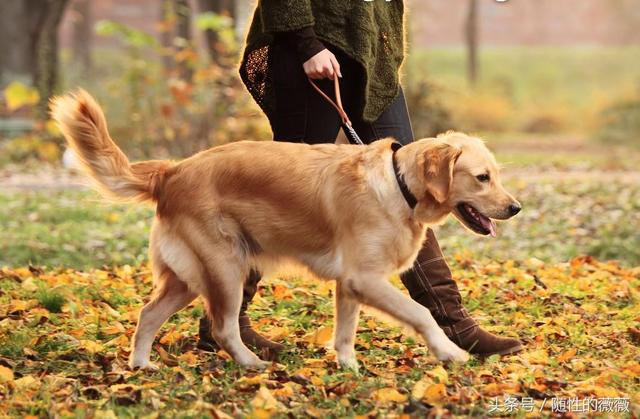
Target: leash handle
[{"x": 347, "y": 127}]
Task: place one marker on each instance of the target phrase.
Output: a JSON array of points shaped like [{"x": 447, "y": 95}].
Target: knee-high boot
[{"x": 430, "y": 283}]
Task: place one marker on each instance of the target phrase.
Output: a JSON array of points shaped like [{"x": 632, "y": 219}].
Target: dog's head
[{"x": 459, "y": 175}]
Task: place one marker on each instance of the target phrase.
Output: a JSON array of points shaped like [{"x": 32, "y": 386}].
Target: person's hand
[{"x": 322, "y": 65}]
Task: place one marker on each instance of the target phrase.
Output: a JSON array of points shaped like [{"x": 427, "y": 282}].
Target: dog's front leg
[
  {"x": 347, "y": 314},
  {"x": 377, "y": 292}
]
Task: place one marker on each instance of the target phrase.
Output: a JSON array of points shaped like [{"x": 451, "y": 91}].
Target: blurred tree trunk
[
  {"x": 242, "y": 12},
  {"x": 81, "y": 35},
  {"x": 18, "y": 35},
  {"x": 471, "y": 32},
  {"x": 46, "y": 72},
  {"x": 166, "y": 34},
  {"x": 220, "y": 7},
  {"x": 29, "y": 44},
  {"x": 182, "y": 11}
]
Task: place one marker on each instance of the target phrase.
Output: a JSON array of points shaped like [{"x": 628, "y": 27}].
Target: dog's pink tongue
[
  {"x": 492, "y": 228},
  {"x": 489, "y": 224}
]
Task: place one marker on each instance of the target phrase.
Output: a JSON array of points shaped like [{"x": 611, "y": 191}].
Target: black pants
[{"x": 302, "y": 115}]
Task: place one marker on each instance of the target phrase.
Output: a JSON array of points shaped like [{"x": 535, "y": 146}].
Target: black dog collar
[{"x": 408, "y": 196}]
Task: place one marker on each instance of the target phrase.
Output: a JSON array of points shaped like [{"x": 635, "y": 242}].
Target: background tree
[
  {"x": 82, "y": 33},
  {"x": 29, "y": 44},
  {"x": 175, "y": 37},
  {"x": 243, "y": 10},
  {"x": 471, "y": 35},
  {"x": 182, "y": 10},
  {"x": 212, "y": 37}
]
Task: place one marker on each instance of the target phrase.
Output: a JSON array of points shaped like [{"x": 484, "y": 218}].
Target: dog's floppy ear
[{"x": 437, "y": 167}]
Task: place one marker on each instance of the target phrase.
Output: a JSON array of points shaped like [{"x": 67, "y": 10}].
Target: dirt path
[{"x": 46, "y": 178}]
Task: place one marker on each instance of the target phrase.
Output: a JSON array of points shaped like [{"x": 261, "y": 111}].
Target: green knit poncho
[{"x": 371, "y": 32}]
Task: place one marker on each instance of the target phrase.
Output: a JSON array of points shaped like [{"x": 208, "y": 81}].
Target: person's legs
[
  {"x": 429, "y": 281},
  {"x": 394, "y": 122}
]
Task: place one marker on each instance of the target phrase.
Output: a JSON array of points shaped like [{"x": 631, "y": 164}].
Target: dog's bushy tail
[{"x": 84, "y": 126}]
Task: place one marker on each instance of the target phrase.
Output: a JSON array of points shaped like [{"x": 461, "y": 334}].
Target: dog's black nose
[{"x": 514, "y": 209}]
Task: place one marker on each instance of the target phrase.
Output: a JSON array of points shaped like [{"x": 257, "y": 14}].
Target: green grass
[
  {"x": 561, "y": 219},
  {"x": 524, "y": 85},
  {"x": 51, "y": 300},
  {"x": 535, "y": 75},
  {"x": 70, "y": 228}
]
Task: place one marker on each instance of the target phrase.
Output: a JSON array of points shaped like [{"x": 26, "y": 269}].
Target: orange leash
[{"x": 347, "y": 127}]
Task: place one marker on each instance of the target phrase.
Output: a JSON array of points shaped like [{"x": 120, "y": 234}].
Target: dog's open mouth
[{"x": 475, "y": 220}]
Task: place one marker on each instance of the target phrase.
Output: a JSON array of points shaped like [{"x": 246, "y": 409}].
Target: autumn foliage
[{"x": 65, "y": 340}]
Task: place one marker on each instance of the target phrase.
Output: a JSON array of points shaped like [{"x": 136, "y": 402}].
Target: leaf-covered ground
[{"x": 65, "y": 337}]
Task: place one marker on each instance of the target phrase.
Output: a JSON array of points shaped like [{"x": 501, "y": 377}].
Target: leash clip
[{"x": 346, "y": 125}]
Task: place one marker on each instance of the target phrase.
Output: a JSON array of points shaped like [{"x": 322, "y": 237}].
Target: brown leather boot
[
  {"x": 249, "y": 336},
  {"x": 429, "y": 282}
]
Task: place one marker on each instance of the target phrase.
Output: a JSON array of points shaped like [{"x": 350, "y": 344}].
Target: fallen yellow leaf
[
  {"x": 539, "y": 356},
  {"x": 256, "y": 379},
  {"x": 121, "y": 341},
  {"x": 114, "y": 328},
  {"x": 5, "y": 374},
  {"x": 17, "y": 95},
  {"x": 440, "y": 374},
  {"x": 260, "y": 414},
  {"x": 632, "y": 369},
  {"x": 321, "y": 336},
  {"x": 278, "y": 333},
  {"x": 386, "y": 395},
  {"x": 91, "y": 346},
  {"x": 171, "y": 337},
  {"x": 420, "y": 386},
  {"x": 435, "y": 393},
  {"x": 190, "y": 358},
  {"x": 29, "y": 285},
  {"x": 316, "y": 412},
  {"x": 105, "y": 414},
  {"x": 264, "y": 400},
  {"x": 26, "y": 382},
  {"x": 567, "y": 355},
  {"x": 18, "y": 305}
]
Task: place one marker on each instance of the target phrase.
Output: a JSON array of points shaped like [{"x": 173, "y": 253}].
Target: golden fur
[{"x": 336, "y": 209}]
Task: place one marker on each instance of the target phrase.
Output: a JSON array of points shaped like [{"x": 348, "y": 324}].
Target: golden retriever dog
[{"x": 336, "y": 209}]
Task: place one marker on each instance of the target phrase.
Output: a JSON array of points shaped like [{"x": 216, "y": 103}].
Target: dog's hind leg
[
  {"x": 378, "y": 293},
  {"x": 169, "y": 297},
  {"x": 227, "y": 267},
  {"x": 347, "y": 314}
]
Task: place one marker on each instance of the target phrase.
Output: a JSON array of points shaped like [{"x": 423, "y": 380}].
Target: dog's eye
[{"x": 483, "y": 177}]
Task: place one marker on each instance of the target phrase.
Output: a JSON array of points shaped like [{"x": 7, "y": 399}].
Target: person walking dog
[{"x": 361, "y": 43}]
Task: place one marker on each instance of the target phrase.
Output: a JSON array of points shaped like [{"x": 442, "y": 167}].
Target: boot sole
[
  {"x": 207, "y": 347},
  {"x": 508, "y": 351}
]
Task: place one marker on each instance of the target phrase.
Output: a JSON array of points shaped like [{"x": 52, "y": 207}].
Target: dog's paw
[
  {"x": 444, "y": 349},
  {"x": 452, "y": 353},
  {"x": 350, "y": 364},
  {"x": 144, "y": 365},
  {"x": 256, "y": 365}
]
